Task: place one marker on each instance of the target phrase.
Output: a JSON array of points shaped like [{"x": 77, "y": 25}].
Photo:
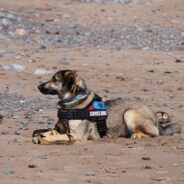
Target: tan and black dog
[{"x": 125, "y": 118}]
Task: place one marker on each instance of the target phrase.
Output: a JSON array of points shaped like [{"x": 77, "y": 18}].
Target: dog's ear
[{"x": 73, "y": 82}]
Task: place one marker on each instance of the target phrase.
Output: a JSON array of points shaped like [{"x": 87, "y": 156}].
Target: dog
[{"x": 126, "y": 118}]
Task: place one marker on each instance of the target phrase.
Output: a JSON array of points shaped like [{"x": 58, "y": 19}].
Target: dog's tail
[{"x": 169, "y": 128}]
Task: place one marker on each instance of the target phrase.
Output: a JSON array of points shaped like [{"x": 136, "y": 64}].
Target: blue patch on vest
[{"x": 99, "y": 105}]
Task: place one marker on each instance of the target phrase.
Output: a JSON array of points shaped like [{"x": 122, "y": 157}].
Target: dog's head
[{"x": 64, "y": 83}]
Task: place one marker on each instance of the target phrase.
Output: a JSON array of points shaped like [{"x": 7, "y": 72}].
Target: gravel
[
  {"x": 11, "y": 105},
  {"x": 57, "y": 34}
]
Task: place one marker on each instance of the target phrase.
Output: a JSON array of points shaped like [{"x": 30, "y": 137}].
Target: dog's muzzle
[{"x": 47, "y": 91}]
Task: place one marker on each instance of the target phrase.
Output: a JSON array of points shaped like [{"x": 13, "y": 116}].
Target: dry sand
[{"x": 135, "y": 70}]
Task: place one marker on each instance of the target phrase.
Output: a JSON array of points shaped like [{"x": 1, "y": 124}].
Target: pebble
[
  {"x": 146, "y": 158},
  {"x": 22, "y": 102},
  {"x": 25, "y": 128},
  {"x": 43, "y": 71},
  {"x": 40, "y": 110},
  {"x": 11, "y": 17},
  {"x": 145, "y": 48},
  {"x": 90, "y": 173},
  {"x": 17, "y": 132},
  {"x": 179, "y": 61},
  {"x": 42, "y": 157},
  {"x": 50, "y": 121},
  {"x": 14, "y": 67},
  {"x": 120, "y": 78},
  {"x": 31, "y": 61},
  {"x": 64, "y": 62},
  {"x": 181, "y": 107},
  {"x": 157, "y": 62},
  {"x": 67, "y": 16},
  {"x": 160, "y": 82},
  {"x": 171, "y": 96},
  {"x": 9, "y": 171},
  {"x": 4, "y": 132},
  {"x": 32, "y": 166},
  {"x": 180, "y": 88},
  {"x": 88, "y": 34},
  {"x": 6, "y": 22},
  {"x": 148, "y": 167},
  {"x": 21, "y": 32},
  {"x": 16, "y": 116},
  {"x": 42, "y": 47}
]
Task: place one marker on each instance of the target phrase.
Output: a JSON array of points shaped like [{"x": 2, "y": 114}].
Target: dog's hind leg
[
  {"x": 139, "y": 126},
  {"x": 149, "y": 128}
]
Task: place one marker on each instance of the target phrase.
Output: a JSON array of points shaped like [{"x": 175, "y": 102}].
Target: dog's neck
[{"x": 77, "y": 101}]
